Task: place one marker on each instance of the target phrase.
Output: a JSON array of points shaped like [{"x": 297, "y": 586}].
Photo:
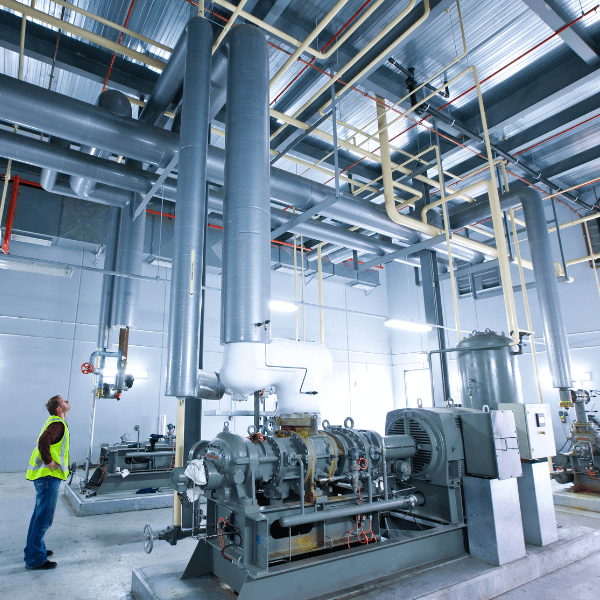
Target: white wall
[{"x": 48, "y": 328}]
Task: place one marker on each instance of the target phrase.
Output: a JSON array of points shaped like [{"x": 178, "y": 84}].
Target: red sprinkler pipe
[
  {"x": 112, "y": 62},
  {"x": 10, "y": 215}
]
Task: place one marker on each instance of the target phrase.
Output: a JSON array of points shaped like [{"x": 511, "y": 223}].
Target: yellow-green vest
[{"x": 59, "y": 453}]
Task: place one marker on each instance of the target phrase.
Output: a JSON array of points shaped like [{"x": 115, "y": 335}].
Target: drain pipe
[{"x": 538, "y": 237}]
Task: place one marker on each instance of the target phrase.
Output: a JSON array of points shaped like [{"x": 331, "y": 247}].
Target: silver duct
[
  {"x": 31, "y": 106},
  {"x": 246, "y": 288},
  {"x": 118, "y": 104},
  {"x": 190, "y": 223},
  {"x": 555, "y": 331},
  {"x": 129, "y": 260}
]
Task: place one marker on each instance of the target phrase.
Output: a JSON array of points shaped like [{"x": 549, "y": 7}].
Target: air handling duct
[
  {"x": 44, "y": 110},
  {"x": 555, "y": 331},
  {"x": 190, "y": 223}
]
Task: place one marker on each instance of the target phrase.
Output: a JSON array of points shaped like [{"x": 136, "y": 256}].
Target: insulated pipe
[
  {"x": 108, "y": 281},
  {"x": 349, "y": 511},
  {"x": 246, "y": 288},
  {"x": 555, "y": 332},
  {"x": 188, "y": 244},
  {"x": 118, "y": 104},
  {"x": 131, "y": 245},
  {"x": 34, "y": 107}
]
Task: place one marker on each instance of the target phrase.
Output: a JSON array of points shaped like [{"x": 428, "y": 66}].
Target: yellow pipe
[
  {"x": 83, "y": 33},
  {"x": 229, "y": 25},
  {"x": 178, "y": 457},
  {"x": 295, "y": 42},
  {"x": 306, "y": 43},
  {"x": 576, "y": 261},
  {"x": 366, "y": 49},
  {"x": 112, "y": 25},
  {"x": 320, "y": 274},
  {"x": 303, "y": 311},
  {"x": 576, "y": 222}
]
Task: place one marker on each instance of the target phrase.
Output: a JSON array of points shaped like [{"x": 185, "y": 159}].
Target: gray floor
[{"x": 96, "y": 554}]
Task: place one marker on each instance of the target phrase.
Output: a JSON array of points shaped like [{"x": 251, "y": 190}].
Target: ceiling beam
[
  {"x": 550, "y": 12},
  {"x": 75, "y": 56}
]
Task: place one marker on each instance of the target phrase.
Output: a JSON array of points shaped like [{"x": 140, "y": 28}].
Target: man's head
[{"x": 58, "y": 406}]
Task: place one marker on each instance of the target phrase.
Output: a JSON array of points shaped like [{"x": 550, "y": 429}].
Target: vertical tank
[{"x": 488, "y": 370}]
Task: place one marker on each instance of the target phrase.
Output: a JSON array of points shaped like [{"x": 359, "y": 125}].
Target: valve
[{"x": 87, "y": 368}]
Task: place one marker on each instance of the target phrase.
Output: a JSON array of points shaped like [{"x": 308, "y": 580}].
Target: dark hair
[{"x": 52, "y": 404}]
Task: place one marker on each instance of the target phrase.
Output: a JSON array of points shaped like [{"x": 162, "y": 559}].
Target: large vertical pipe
[
  {"x": 246, "y": 287},
  {"x": 190, "y": 225},
  {"x": 131, "y": 246},
  {"x": 555, "y": 331}
]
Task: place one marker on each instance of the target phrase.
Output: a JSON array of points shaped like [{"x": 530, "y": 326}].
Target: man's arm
[{"x": 52, "y": 435}]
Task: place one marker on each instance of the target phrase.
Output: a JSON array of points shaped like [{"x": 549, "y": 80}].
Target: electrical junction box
[
  {"x": 534, "y": 429},
  {"x": 491, "y": 445}
]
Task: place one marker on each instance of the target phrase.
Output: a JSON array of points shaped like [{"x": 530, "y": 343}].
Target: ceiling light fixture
[
  {"x": 34, "y": 266},
  {"x": 363, "y": 285},
  {"x": 407, "y": 325},
  {"x": 16, "y": 237}
]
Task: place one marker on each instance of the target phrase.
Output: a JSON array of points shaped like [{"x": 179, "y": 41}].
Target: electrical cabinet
[
  {"x": 534, "y": 429},
  {"x": 491, "y": 446}
]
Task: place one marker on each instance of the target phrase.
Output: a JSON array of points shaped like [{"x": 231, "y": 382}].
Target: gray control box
[
  {"x": 491, "y": 445},
  {"x": 534, "y": 429}
]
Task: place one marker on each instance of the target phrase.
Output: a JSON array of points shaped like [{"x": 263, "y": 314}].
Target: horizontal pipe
[
  {"x": 349, "y": 511},
  {"x": 146, "y": 454},
  {"x": 30, "y": 106}
]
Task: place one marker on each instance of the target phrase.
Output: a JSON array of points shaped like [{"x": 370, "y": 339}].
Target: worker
[{"x": 48, "y": 466}]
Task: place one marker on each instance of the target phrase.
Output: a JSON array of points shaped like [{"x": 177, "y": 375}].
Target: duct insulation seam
[
  {"x": 183, "y": 345},
  {"x": 298, "y": 370},
  {"x": 246, "y": 287}
]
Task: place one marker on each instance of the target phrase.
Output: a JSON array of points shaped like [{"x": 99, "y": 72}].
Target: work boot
[{"x": 47, "y": 565}]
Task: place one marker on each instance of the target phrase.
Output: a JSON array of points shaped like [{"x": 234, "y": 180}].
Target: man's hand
[{"x": 53, "y": 465}]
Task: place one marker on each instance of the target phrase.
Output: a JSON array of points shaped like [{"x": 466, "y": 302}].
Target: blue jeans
[{"x": 46, "y": 489}]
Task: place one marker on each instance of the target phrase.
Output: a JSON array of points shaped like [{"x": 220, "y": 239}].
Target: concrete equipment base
[
  {"x": 115, "y": 502},
  {"x": 563, "y": 495},
  {"x": 461, "y": 578}
]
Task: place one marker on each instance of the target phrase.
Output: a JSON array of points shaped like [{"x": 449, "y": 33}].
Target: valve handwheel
[{"x": 87, "y": 368}]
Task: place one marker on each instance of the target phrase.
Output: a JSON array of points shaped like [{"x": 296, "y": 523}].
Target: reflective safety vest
[{"x": 59, "y": 453}]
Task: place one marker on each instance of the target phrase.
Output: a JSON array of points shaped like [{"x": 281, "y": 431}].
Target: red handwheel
[{"x": 87, "y": 368}]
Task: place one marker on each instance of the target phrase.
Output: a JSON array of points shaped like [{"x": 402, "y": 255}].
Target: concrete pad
[
  {"x": 461, "y": 578},
  {"x": 117, "y": 502},
  {"x": 563, "y": 495}
]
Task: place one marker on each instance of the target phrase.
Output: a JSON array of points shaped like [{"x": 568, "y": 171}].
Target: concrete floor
[{"x": 97, "y": 554}]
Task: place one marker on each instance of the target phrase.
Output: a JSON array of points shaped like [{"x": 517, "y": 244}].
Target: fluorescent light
[
  {"x": 34, "y": 266},
  {"x": 407, "y": 325},
  {"x": 136, "y": 374},
  {"x": 282, "y": 306},
  {"x": 30, "y": 240}
]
